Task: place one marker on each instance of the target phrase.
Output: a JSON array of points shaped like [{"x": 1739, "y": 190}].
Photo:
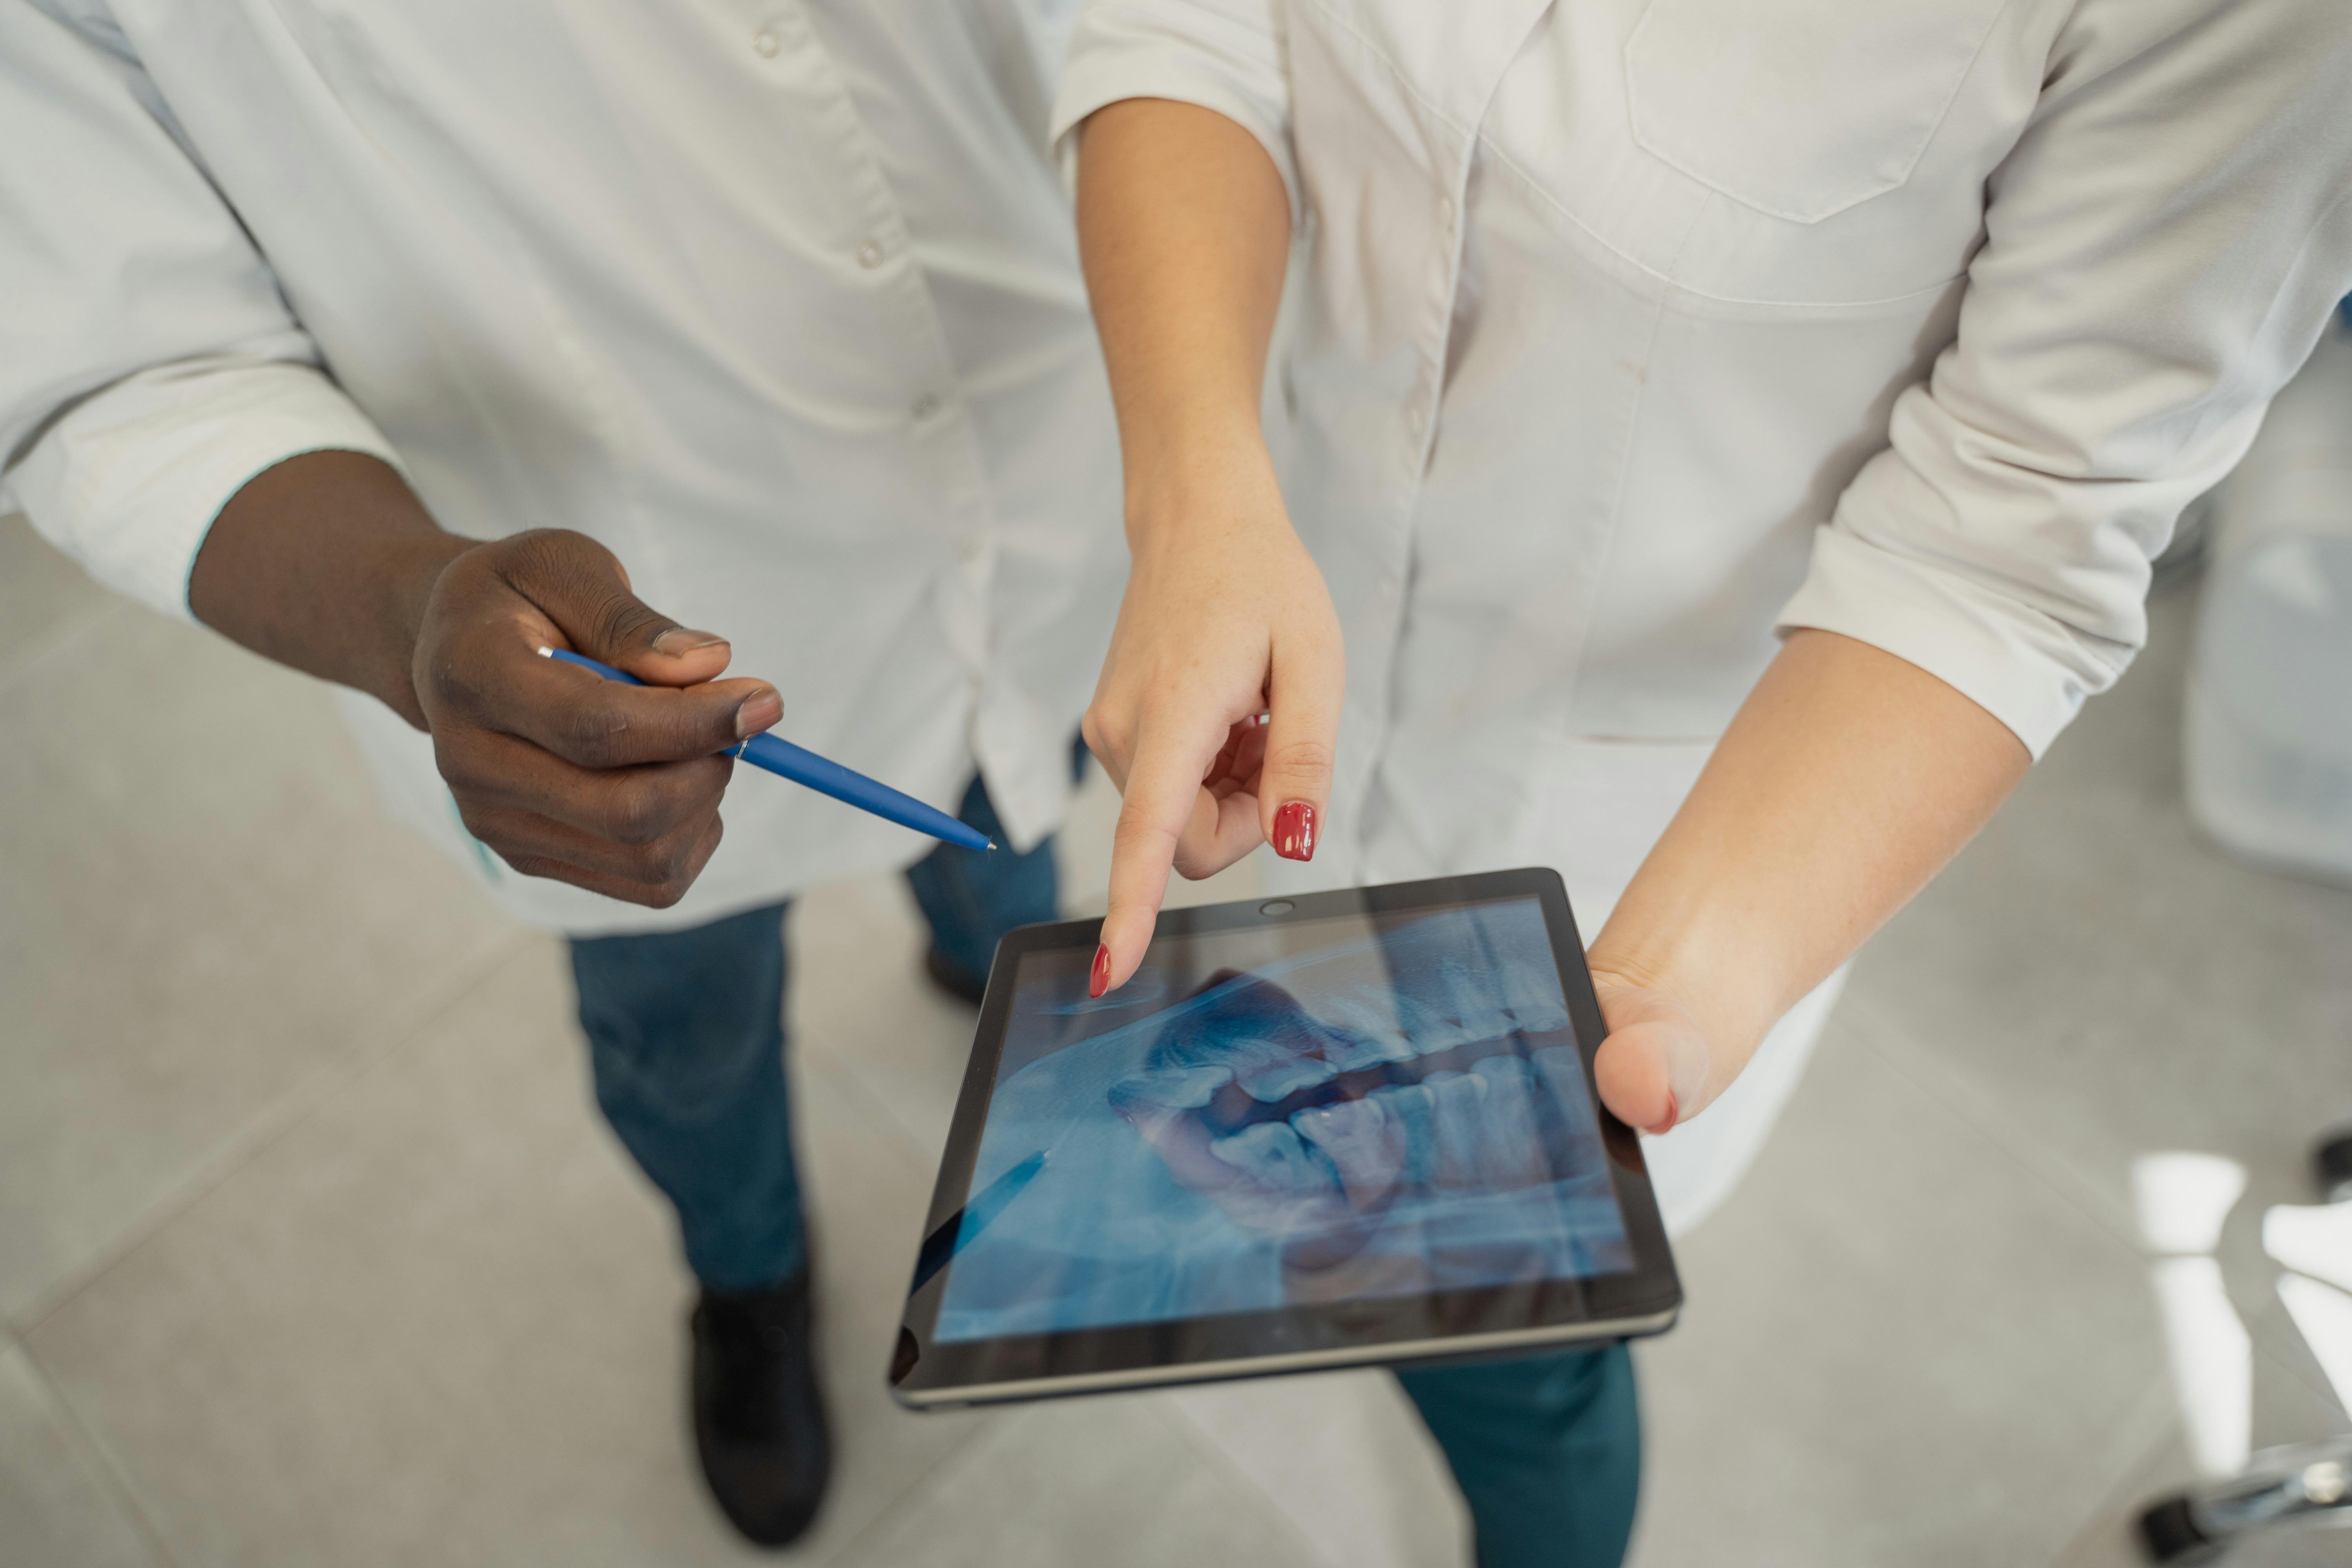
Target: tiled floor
[{"x": 313, "y": 1251}]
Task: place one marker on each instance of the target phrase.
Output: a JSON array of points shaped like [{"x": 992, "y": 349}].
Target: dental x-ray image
[{"x": 1337, "y": 1108}]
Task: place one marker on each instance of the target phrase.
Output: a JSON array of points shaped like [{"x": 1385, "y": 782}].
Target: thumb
[
  {"x": 1305, "y": 683},
  {"x": 583, "y": 589},
  {"x": 1654, "y": 1070}
]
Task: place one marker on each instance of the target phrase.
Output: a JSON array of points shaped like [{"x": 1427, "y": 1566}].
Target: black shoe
[
  {"x": 952, "y": 977},
  {"x": 759, "y": 1417}
]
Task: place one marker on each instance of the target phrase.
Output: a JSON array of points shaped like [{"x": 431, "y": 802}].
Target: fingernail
[
  {"x": 681, "y": 640},
  {"x": 1294, "y": 831},
  {"x": 1098, "y": 981},
  {"x": 758, "y": 715},
  {"x": 1674, "y": 1114}
]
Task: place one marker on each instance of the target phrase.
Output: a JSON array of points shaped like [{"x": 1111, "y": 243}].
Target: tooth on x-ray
[
  {"x": 1562, "y": 1072},
  {"x": 1362, "y": 1140},
  {"x": 1371, "y": 1051},
  {"x": 1368, "y": 1015},
  {"x": 1285, "y": 1078},
  {"x": 1457, "y": 1124},
  {"x": 1511, "y": 1150},
  {"x": 1178, "y": 1089},
  {"x": 1272, "y": 1154},
  {"x": 1410, "y": 1107}
]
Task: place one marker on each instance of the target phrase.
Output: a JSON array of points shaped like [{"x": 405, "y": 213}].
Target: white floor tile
[
  {"x": 1900, "y": 1347},
  {"x": 1084, "y": 1484},
  {"x": 202, "y": 910},
  {"x": 441, "y": 1321},
  {"x": 1345, "y": 1458}
]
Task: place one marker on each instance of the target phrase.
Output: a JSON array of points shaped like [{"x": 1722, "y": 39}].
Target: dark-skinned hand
[
  {"x": 610, "y": 787},
  {"x": 329, "y": 563}
]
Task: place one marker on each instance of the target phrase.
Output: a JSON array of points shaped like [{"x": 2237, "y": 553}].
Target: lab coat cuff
[
  {"x": 2019, "y": 664},
  {"x": 1184, "y": 51},
  {"x": 129, "y": 480}
]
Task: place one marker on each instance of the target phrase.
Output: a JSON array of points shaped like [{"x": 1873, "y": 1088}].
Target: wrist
[
  {"x": 1181, "y": 484},
  {"x": 409, "y": 571},
  {"x": 326, "y": 562}
]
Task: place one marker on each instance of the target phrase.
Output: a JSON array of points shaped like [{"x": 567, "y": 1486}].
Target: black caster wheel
[
  {"x": 2333, "y": 1159},
  {"x": 2169, "y": 1533}
]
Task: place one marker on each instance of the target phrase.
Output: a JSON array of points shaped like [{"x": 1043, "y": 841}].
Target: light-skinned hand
[{"x": 1218, "y": 709}]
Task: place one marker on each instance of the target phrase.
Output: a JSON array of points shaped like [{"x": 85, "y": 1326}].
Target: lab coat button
[
  {"x": 925, "y": 406},
  {"x": 765, "y": 44},
  {"x": 1446, "y": 212},
  {"x": 974, "y": 549},
  {"x": 870, "y": 254}
]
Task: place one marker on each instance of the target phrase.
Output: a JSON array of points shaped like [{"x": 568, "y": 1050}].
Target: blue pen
[{"x": 821, "y": 775}]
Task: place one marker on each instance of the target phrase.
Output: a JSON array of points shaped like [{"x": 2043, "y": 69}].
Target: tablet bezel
[{"x": 1439, "y": 1325}]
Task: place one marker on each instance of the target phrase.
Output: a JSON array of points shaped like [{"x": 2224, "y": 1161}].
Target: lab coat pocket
[{"x": 1799, "y": 109}]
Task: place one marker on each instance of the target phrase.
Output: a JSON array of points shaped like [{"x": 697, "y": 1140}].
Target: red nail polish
[
  {"x": 1099, "y": 982},
  {"x": 1674, "y": 1114},
  {"x": 1294, "y": 831}
]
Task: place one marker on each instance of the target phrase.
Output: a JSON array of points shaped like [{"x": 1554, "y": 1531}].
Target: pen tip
[{"x": 992, "y": 844}]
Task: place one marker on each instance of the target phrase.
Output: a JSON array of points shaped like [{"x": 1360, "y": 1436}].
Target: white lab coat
[
  {"x": 781, "y": 303},
  {"x": 1633, "y": 330}
]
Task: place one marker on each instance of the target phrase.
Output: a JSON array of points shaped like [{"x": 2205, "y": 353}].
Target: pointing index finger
[{"x": 1162, "y": 799}]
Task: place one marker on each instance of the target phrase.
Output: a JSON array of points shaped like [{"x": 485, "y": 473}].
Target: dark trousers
[{"x": 685, "y": 1034}]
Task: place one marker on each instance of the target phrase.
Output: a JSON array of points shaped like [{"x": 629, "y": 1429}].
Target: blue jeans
[
  {"x": 685, "y": 1034},
  {"x": 1547, "y": 1451}
]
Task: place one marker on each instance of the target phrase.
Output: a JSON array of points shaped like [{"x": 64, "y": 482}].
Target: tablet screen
[{"x": 1369, "y": 1105}]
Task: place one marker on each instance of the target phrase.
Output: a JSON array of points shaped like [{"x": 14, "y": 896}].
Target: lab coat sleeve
[
  {"x": 2162, "y": 248},
  {"x": 1223, "y": 55},
  {"x": 149, "y": 365}
]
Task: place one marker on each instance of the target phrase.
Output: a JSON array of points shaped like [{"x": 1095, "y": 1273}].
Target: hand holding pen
[
  {"x": 609, "y": 784},
  {"x": 821, "y": 775},
  {"x": 609, "y": 787}
]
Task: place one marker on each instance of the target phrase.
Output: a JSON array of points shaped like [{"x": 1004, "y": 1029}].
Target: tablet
[{"x": 1347, "y": 1128}]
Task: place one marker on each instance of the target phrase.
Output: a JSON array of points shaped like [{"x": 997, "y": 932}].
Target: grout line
[
  {"x": 889, "y": 1510},
  {"x": 1196, "y": 1438},
  {"x": 2264, "y": 1319},
  {"x": 112, "y": 1478},
  {"x": 271, "y": 1125},
  {"x": 1881, "y": 1034},
  {"x": 2274, "y": 1323},
  {"x": 2320, "y": 1389}
]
